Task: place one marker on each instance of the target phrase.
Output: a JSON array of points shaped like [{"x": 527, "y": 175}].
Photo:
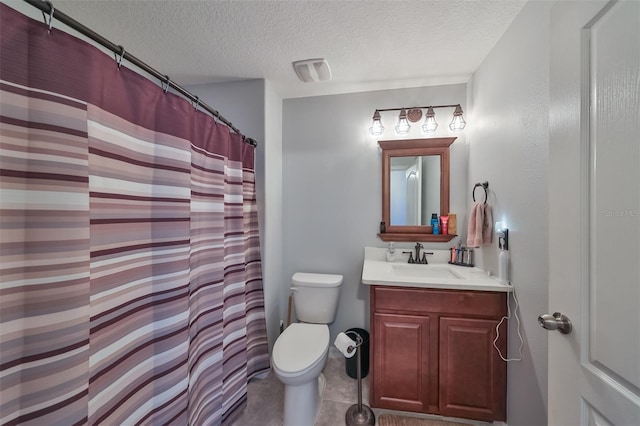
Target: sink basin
[
  {"x": 437, "y": 274},
  {"x": 426, "y": 271}
]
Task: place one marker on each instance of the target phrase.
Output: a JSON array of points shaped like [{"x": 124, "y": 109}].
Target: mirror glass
[
  {"x": 414, "y": 189},
  {"x": 415, "y": 184}
]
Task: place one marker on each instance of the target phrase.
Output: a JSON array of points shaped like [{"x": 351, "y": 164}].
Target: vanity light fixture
[
  {"x": 403, "y": 126},
  {"x": 458, "y": 122},
  {"x": 376, "y": 128},
  {"x": 414, "y": 114},
  {"x": 430, "y": 125}
]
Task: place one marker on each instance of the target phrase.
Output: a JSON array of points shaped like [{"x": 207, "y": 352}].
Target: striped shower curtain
[{"x": 131, "y": 288}]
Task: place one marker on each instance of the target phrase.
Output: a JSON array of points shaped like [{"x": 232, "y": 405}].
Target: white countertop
[{"x": 438, "y": 274}]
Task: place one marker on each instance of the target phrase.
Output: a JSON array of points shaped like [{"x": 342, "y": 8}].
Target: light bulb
[
  {"x": 430, "y": 124},
  {"x": 376, "y": 128},
  {"x": 403, "y": 126},
  {"x": 458, "y": 122}
]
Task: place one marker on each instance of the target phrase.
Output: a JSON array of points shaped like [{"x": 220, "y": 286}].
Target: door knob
[{"x": 557, "y": 321}]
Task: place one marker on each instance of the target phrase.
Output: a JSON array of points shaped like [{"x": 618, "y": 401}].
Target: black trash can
[{"x": 352, "y": 363}]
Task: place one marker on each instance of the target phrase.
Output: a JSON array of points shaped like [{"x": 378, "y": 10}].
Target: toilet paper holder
[
  {"x": 358, "y": 414},
  {"x": 359, "y": 341}
]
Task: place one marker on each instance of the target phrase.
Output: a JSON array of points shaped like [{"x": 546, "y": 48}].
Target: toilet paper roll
[{"x": 345, "y": 345}]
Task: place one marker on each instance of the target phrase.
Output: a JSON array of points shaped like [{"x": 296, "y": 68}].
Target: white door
[{"x": 594, "y": 205}]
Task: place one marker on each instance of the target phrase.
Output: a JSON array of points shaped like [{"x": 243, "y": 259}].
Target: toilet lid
[{"x": 300, "y": 346}]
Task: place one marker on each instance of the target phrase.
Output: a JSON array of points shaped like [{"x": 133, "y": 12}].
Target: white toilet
[{"x": 301, "y": 351}]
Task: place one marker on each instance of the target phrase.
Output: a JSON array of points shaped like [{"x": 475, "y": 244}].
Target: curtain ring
[
  {"x": 119, "y": 58},
  {"x": 165, "y": 83},
  {"x": 484, "y": 185},
  {"x": 196, "y": 103},
  {"x": 49, "y": 23}
]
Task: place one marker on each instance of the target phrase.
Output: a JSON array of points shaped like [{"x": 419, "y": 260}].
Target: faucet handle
[
  {"x": 424, "y": 257},
  {"x": 410, "y": 256}
]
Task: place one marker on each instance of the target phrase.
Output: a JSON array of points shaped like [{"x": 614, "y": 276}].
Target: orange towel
[{"x": 480, "y": 229}]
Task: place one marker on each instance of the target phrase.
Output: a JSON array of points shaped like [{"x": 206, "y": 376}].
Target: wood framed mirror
[{"x": 415, "y": 184}]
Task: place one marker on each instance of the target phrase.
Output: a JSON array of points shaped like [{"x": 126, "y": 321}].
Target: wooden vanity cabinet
[{"x": 432, "y": 352}]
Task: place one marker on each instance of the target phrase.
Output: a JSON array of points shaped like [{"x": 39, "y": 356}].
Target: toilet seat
[{"x": 300, "y": 347}]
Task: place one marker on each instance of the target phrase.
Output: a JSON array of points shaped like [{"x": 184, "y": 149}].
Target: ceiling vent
[{"x": 312, "y": 70}]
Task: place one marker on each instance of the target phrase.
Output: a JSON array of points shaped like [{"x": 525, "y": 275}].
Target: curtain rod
[{"x": 48, "y": 8}]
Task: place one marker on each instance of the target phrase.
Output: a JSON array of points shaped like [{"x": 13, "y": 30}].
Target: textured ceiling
[{"x": 370, "y": 45}]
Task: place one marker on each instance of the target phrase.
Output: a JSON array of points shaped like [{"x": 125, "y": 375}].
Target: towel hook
[{"x": 484, "y": 185}]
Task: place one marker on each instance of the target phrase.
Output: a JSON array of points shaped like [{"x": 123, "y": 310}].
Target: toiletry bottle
[
  {"x": 391, "y": 253},
  {"x": 444, "y": 221},
  {"x": 503, "y": 266},
  {"x": 453, "y": 224},
  {"x": 435, "y": 224}
]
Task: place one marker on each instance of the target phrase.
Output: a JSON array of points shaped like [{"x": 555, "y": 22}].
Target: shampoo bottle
[{"x": 435, "y": 224}]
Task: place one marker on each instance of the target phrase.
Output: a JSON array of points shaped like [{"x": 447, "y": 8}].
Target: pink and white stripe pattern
[
  {"x": 44, "y": 264},
  {"x": 131, "y": 289}
]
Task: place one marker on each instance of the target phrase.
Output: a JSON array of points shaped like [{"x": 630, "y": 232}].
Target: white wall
[
  {"x": 276, "y": 287},
  {"x": 508, "y": 138},
  {"x": 332, "y": 183},
  {"x": 255, "y": 108}
]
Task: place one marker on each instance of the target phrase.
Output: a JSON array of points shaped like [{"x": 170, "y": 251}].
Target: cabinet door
[
  {"x": 472, "y": 374},
  {"x": 401, "y": 362}
]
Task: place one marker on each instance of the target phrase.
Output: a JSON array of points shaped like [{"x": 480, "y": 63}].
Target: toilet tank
[{"x": 316, "y": 296}]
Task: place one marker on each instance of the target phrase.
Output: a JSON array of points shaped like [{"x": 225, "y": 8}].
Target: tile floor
[{"x": 265, "y": 399}]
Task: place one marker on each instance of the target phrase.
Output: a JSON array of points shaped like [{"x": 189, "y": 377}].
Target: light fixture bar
[
  {"x": 430, "y": 125},
  {"x": 419, "y": 107}
]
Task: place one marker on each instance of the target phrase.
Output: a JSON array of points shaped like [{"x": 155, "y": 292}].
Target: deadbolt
[{"x": 557, "y": 321}]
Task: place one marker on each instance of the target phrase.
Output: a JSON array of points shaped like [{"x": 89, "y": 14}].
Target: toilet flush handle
[{"x": 294, "y": 288}]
